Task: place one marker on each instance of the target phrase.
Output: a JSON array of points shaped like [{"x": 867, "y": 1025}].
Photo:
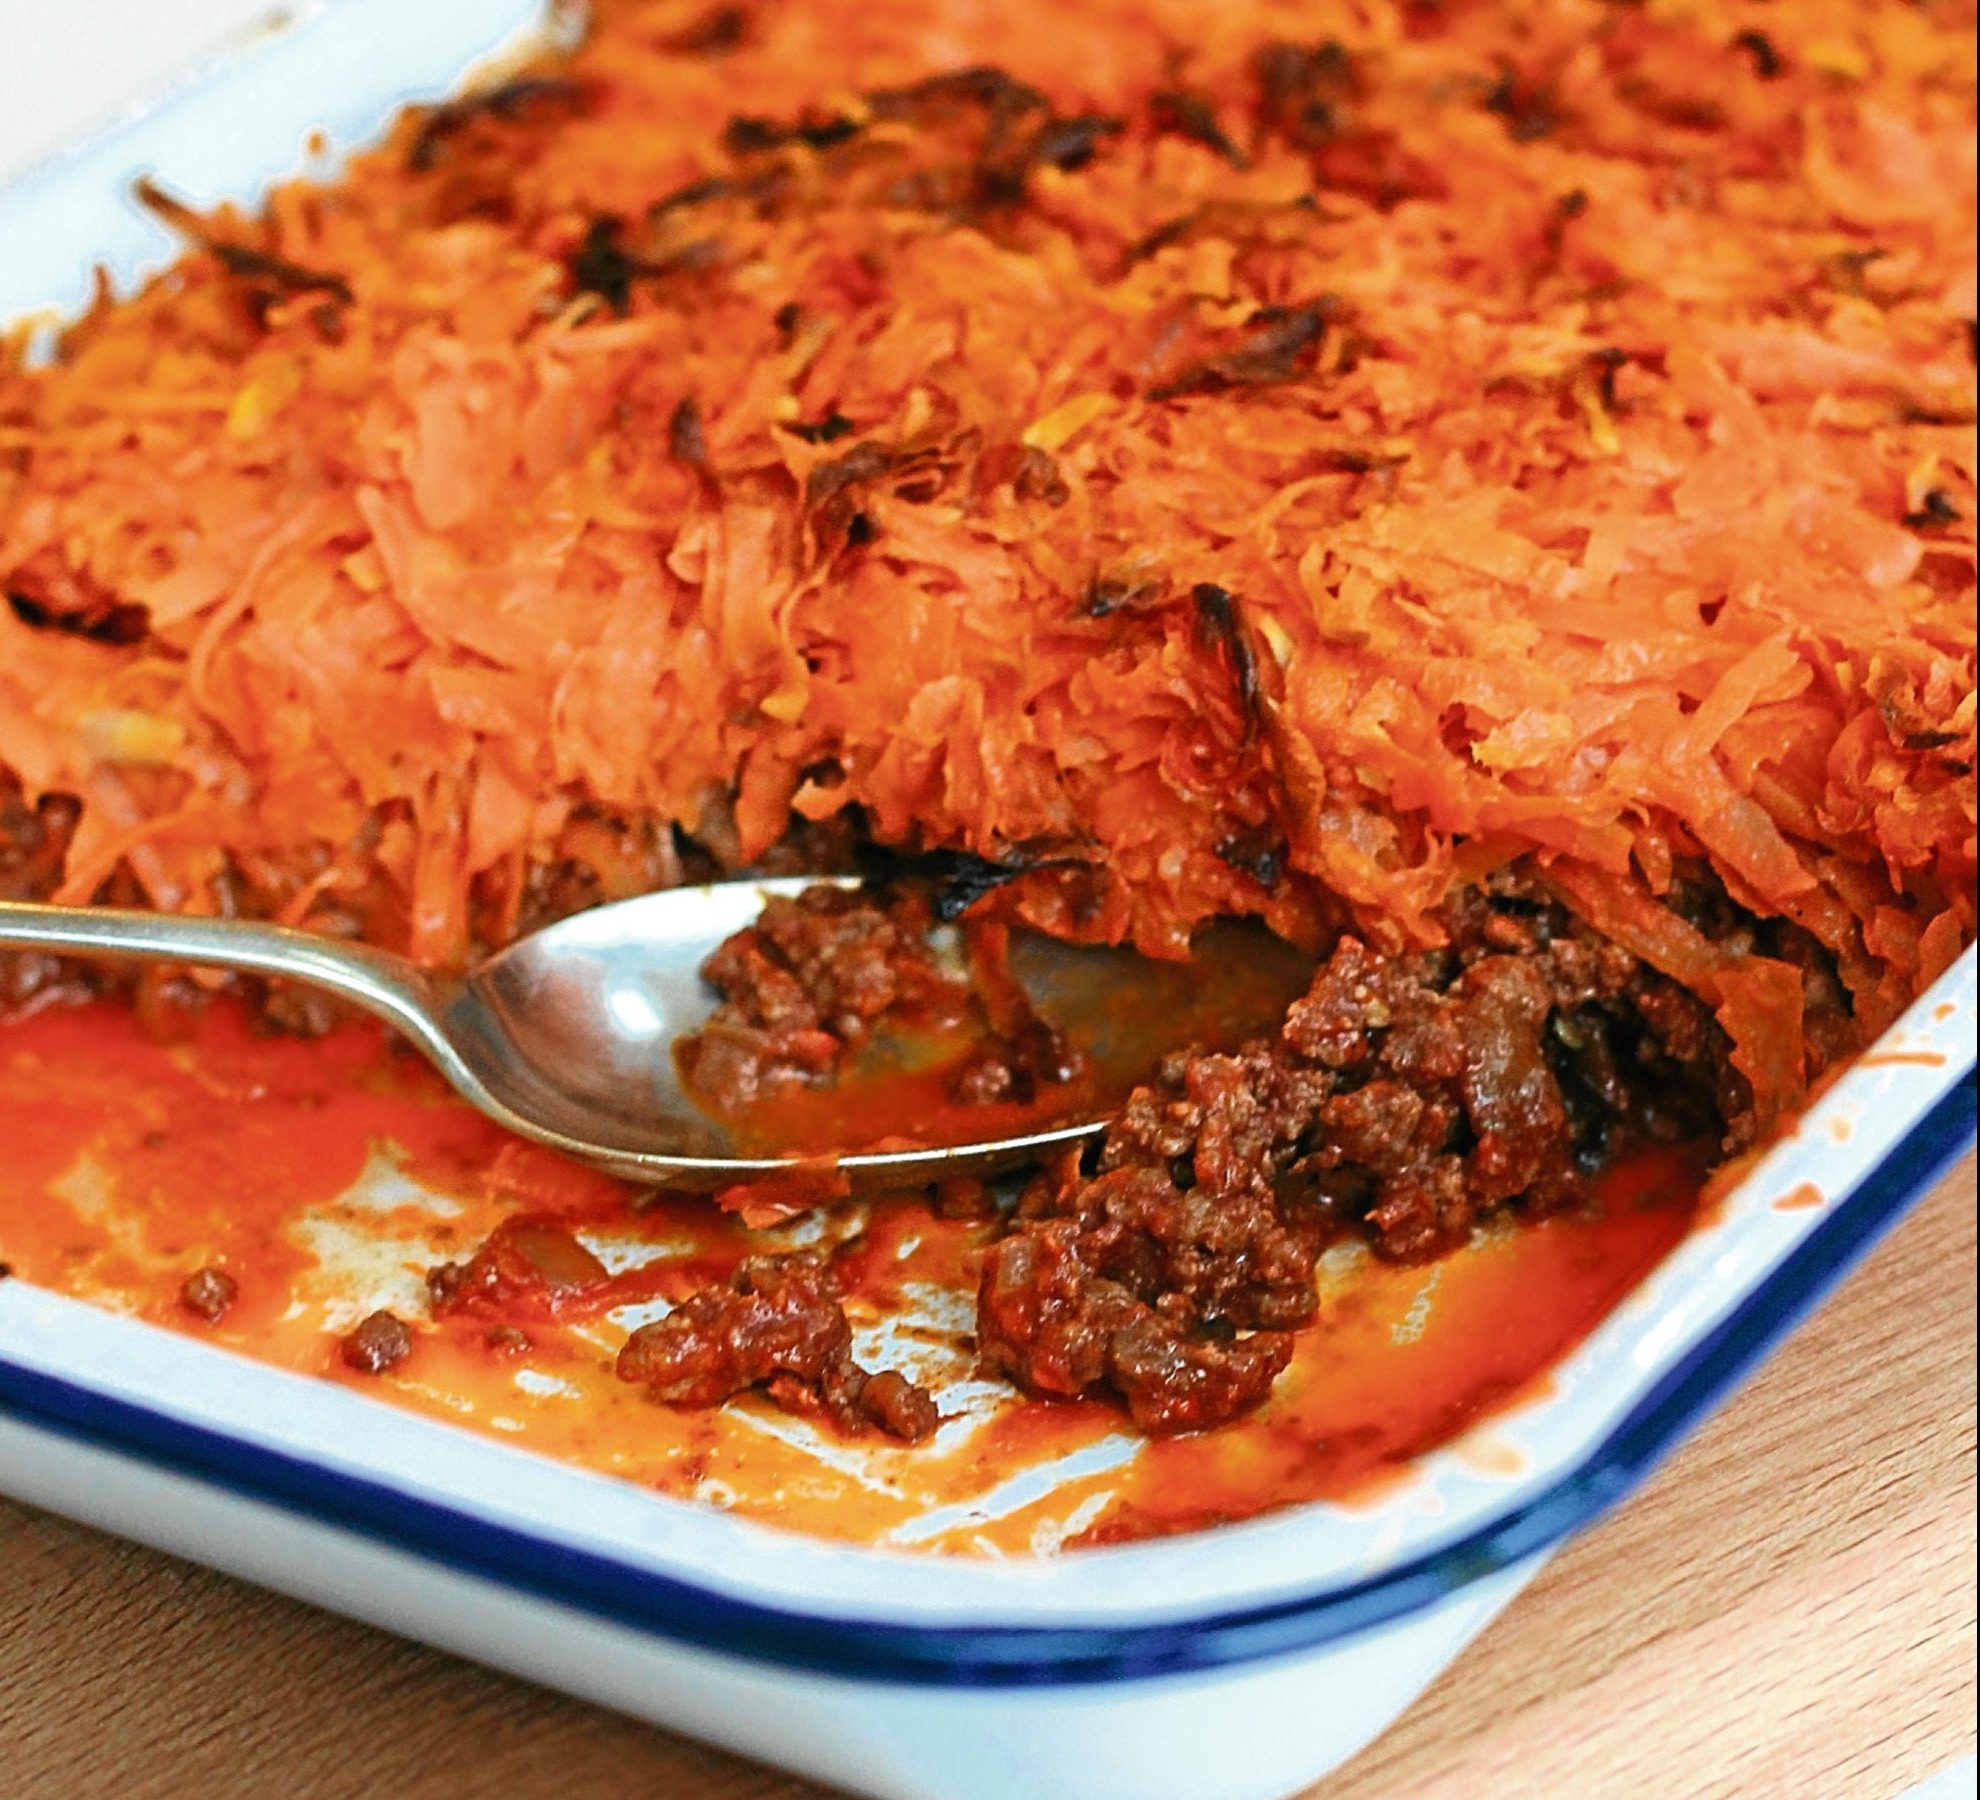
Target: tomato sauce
[{"x": 326, "y": 1177}]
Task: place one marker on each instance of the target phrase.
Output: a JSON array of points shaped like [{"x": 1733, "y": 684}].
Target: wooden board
[{"x": 1787, "y": 1609}]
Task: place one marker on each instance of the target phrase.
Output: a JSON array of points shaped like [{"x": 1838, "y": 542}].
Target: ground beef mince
[
  {"x": 777, "y": 1325},
  {"x": 1050, "y": 1320},
  {"x": 378, "y": 1342},
  {"x": 208, "y": 1294},
  {"x": 33, "y": 841},
  {"x": 1405, "y": 1098},
  {"x": 804, "y": 987},
  {"x": 817, "y": 975}
]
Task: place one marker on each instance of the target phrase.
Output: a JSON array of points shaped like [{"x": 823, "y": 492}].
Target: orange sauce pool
[{"x": 326, "y": 1177}]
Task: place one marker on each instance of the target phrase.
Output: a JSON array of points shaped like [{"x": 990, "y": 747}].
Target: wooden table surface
[{"x": 1788, "y": 1609}]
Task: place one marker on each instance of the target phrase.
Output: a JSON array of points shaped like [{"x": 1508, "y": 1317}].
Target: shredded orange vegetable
[{"x": 1299, "y": 457}]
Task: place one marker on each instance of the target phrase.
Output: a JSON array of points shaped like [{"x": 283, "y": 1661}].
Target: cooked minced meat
[
  {"x": 820, "y": 973},
  {"x": 803, "y": 987},
  {"x": 1406, "y": 1097},
  {"x": 33, "y": 841},
  {"x": 776, "y": 1324},
  {"x": 377, "y": 1344}
]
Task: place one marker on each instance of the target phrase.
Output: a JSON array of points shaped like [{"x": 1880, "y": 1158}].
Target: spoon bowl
[{"x": 567, "y": 1036}]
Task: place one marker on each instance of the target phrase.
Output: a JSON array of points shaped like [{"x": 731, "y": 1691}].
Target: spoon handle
[{"x": 394, "y": 989}]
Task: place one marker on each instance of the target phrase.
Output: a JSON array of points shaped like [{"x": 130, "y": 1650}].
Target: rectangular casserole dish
[{"x": 1124, "y": 1671}]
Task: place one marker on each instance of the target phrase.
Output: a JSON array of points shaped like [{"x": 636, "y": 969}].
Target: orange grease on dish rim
[
  {"x": 125, "y": 1165},
  {"x": 1804, "y": 1196}
]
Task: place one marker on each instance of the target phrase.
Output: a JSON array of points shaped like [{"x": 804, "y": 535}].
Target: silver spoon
[{"x": 567, "y": 1036}]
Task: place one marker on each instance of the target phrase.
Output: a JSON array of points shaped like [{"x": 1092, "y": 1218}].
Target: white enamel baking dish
[{"x": 1233, "y": 1665}]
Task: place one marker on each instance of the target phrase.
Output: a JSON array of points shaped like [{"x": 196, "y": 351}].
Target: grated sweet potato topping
[{"x": 1252, "y": 458}]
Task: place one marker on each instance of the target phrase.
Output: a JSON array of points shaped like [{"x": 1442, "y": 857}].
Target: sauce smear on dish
[{"x": 275, "y": 1195}]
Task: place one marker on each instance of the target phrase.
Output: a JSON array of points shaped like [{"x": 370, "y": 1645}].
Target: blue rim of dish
[{"x": 680, "y": 1612}]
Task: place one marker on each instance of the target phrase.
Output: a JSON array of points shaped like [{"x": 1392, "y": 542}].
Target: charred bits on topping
[
  {"x": 695, "y": 193},
  {"x": 601, "y": 266},
  {"x": 208, "y": 1293},
  {"x": 378, "y": 1343},
  {"x": 1301, "y": 90},
  {"x": 1280, "y": 343},
  {"x": 1109, "y": 594},
  {"x": 718, "y": 31},
  {"x": 862, "y": 463},
  {"x": 828, "y": 430},
  {"x": 1011, "y": 145},
  {"x": 832, "y": 494},
  {"x": 1220, "y": 628},
  {"x": 1072, "y": 143},
  {"x": 958, "y": 879},
  {"x": 270, "y": 277},
  {"x": 511, "y": 102},
  {"x": 1003, "y": 171},
  {"x": 1186, "y": 113},
  {"x": 1761, "y": 49},
  {"x": 1934, "y": 510},
  {"x": 979, "y": 84},
  {"x": 685, "y": 439},
  {"x": 279, "y": 273},
  {"x": 1038, "y": 478},
  {"x": 748, "y": 134},
  {"x": 119, "y": 623},
  {"x": 963, "y": 878},
  {"x": 1606, "y": 362},
  {"x": 1530, "y": 112}
]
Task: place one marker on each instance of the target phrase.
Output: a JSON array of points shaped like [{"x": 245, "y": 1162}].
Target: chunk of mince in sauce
[
  {"x": 209, "y": 1294},
  {"x": 777, "y": 1324},
  {"x": 824, "y": 976},
  {"x": 1406, "y": 1098},
  {"x": 376, "y": 1344}
]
